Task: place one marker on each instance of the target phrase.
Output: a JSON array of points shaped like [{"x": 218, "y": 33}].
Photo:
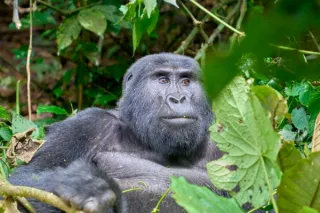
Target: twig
[
  {"x": 15, "y": 17},
  {"x": 195, "y": 21},
  {"x": 66, "y": 12},
  {"x": 28, "y": 62},
  {"x": 243, "y": 11},
  {"x": 314, "y": 40},
  {"x": 217, "y": 31},
  {"x": 190, "y": 37},
  {"x": 63, "y": 12},
  {"x": 7, "y": 189},
  {"x": 294, "y": 49},
  {"x": 217, "y": 18}
]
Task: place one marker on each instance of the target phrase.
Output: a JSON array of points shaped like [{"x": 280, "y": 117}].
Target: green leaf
[
  {"x": 150, "y": 6},
  {"x": 93, "y": 21},
  {"x": 68, "y": 31},
  {"x": 307, "y": 209},
  {"x": 300, "y": 186},
  {"x": 243, "y": 130},
  {"x": 272, "y": 101},
  {"x": 21, "y": 124},
  {"x": 299, "y": 118},
  {"x": 288, "y": 156},
  {"x": 142, "y": 25},
  {"x": 5, "y": 133},
  {"x": 108, "y": 11},
  {"x": 173, "y": 2},
  {"x": 4, "y": 114},
  {"x": 196, "y": 199},
  {"x": 51, "y": 109}
]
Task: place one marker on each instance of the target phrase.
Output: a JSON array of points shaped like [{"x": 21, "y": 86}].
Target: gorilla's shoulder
[{"x": 86, "y": 120}]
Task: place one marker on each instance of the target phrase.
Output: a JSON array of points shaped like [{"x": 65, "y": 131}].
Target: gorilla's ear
[{"x": 129, "y": 77}]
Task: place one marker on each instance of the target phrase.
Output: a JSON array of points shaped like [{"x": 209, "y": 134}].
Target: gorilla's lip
[{"x": 179, "y": 120}]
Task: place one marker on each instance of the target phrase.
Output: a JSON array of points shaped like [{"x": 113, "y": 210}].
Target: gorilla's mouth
[{"x": 179, "y": 120}]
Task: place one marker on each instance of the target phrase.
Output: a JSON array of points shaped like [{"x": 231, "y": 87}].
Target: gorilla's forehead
[{"x": 164, "y": 61}]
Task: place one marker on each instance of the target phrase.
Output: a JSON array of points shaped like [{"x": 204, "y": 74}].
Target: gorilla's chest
[{"x": 145, "y": 180}]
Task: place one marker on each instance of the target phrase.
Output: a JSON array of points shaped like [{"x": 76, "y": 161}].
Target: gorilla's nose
[{"x": 176, "y": 99}]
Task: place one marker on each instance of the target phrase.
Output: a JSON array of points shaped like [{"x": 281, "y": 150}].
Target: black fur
[{"x": 159, "y": 129}]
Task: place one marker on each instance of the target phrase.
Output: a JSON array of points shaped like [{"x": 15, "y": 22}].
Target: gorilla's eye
[
  {"x": 163, "y": 80},
  {"x": 185, "y": 82}
]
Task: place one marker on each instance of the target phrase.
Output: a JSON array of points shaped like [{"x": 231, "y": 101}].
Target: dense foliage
[{"x": 260, "y": 62}]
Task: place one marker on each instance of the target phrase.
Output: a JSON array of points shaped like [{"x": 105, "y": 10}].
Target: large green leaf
[
  {"x": 93, "y": 21},
  {"x": 196, "y": 199},
  {"x": 68, "y": 31},
  {"x": 243, "y": 130},
  {"x": 300, "y": 186}
]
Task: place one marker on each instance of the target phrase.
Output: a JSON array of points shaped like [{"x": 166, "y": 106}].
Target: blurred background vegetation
[{"x": 82, "y": 48}]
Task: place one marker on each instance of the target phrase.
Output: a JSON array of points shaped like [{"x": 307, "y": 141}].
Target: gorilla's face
[{"x": 166, "y": 107}]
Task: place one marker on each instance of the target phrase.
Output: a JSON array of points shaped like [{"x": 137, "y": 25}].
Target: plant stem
[
  {"x": 28, "y": 62},
  {"x": 63, "y": 12},
  {"x": 18, "y": 97},
  {"x": 156, "y": 209},
  {"x": 217, "y": 18},
  {"x": 294, "y": 49},
  {"x": 275, "y": 207},
  {"x": 217, "y": 31}
]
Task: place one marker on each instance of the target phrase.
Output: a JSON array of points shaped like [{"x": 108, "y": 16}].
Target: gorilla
[{"x": 159, "y": 129}]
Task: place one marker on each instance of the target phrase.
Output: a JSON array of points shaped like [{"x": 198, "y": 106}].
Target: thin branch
[
  {"x": 196, "y": 22},
  {"x": 294, "y": 49},
  {"x": 63, "y": 12},
  {"x": 7, "y": 189},
  {"x": 314, "y": 40},
  {"x": 217, "y": 18},
  {"x": 217, "y": 31},
  {"x": 190, "y": 37},
  {"x": 28, "y": 62},
  {"x": 243, "y": 11}
]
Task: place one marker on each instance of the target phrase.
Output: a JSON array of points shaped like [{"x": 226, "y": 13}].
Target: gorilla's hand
[{"x": 86, "y": 188}]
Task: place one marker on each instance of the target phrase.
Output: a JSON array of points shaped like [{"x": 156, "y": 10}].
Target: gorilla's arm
[
  {"x": 81, "y": 184},
  {"x": 74, "y": 138},
  {"x": 70, "y": 142}
]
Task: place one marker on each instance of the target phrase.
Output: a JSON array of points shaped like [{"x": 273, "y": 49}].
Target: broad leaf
[
  {"x": 300, "y": 186},
  {"x": 307, "y": 209},
  {"x": 243, "y": 130},
  {"x": 68, "y": 31},
  {"x": 21, "y": 124},
  {"x": 288, "y": 156},
  {"x": 272, "y": 101},
  {"x": 196, "y": 199},
  {"x": 93, "y": 21},
  {"x": 299, "y": 118},
  {"x": 52, "y": 109},
  {"x": 150, "y": 6}
]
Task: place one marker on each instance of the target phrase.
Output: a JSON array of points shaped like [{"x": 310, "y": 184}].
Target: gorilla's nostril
[{"x": 173, "y": 100}]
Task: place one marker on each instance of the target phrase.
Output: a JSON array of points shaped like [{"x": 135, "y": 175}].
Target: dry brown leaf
[
  {"x": 23, "y": 147},
  {"x": 316, "y": 135}
]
